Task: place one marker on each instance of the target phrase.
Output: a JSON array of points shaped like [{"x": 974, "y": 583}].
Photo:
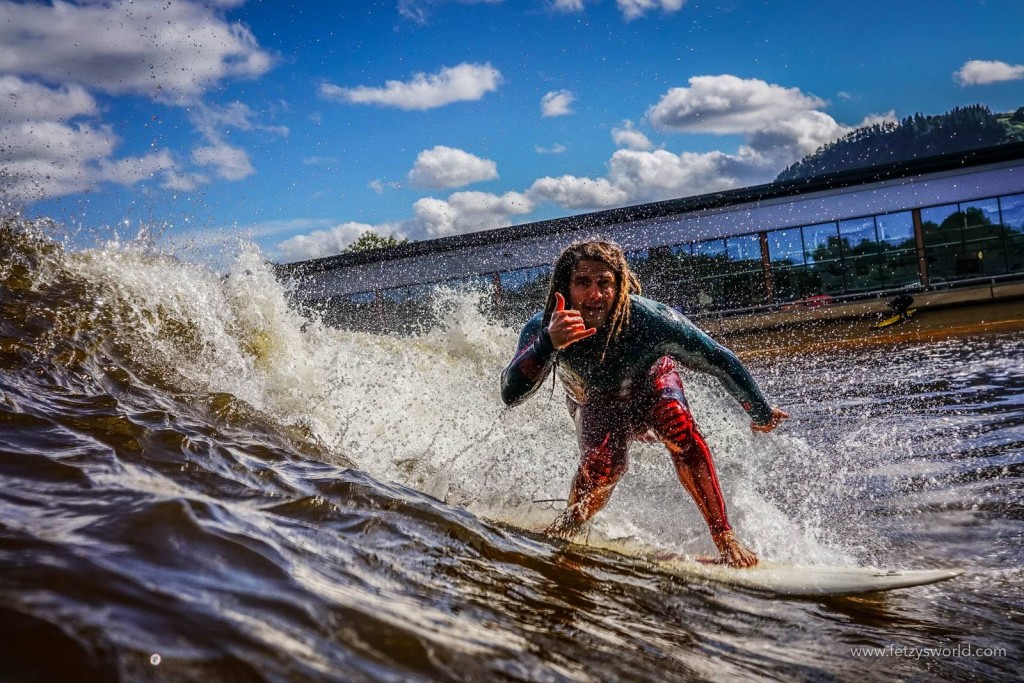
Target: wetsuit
[{"x": 635, "y": 393}]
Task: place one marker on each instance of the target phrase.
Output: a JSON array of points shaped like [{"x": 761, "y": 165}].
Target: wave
[
  {"x": 420, "y": 410},
  {"x": 196, "y": 476}
]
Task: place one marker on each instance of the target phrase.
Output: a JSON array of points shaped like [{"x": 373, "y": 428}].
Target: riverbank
[{"x": 938, "y": 315}]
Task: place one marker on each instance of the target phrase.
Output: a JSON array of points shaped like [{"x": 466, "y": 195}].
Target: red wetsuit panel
[
  {"x": 671, "y": 420},
  {"x": 606, "y": 427}
]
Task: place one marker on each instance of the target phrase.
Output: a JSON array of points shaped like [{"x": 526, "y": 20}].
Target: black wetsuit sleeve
[
  {"x": 697, "y": 350},
  {"x": 533, "y": 360}
]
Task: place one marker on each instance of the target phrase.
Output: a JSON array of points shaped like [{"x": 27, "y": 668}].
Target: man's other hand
[{"x": 777, "y": 417}]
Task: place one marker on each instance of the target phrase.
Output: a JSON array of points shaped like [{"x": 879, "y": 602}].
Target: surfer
[{"x": 616, "y": 354}]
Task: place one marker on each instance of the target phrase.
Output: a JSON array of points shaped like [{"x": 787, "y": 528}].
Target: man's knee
[
  {"x": 673, "y": 422},
  {"x": 601, "y": 466}
]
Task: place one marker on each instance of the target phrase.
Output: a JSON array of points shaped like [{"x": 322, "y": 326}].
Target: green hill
[{"x": 916, "y": 136}]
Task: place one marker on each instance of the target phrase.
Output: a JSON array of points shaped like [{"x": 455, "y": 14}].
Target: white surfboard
[
  {"x": 806, "y": 581},
  {"x": 775, "y": 578}
]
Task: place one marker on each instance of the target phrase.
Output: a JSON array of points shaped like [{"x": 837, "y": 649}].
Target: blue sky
[{"x": 302, "y": 126}]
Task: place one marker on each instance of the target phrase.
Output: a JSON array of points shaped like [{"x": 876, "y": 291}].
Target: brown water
[{"x": 197, "y": 483}]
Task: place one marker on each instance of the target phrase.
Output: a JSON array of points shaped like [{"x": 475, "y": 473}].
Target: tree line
[{"x": 916, "y": 136}]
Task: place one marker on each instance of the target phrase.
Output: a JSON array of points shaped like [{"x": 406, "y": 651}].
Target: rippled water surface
[{"x": 198, "y": 483}]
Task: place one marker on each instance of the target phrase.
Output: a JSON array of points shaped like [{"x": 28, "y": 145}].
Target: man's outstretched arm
[
  {"x": 530, "y": 366},
  {"x": 697, "y": 350}
]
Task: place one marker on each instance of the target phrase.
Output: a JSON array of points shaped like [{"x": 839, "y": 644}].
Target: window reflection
[
  {"x": 363, "y": 298},
  {"x": 709, "y": 248},
  {"x": 1011, "y": 210},
  {"x": 744, "y": 248},
  {"x": 522, "y": 293},
  {"x": 786, "y": 246}
]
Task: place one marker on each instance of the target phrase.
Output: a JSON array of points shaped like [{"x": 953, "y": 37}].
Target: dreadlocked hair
[{"x": 626, "y": 282}]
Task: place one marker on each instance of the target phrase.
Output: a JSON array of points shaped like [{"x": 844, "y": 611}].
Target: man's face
[{"x": 592, "y": 288}]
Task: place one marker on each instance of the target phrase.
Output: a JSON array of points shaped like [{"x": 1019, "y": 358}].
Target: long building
[{"x": 920, "y": 225}]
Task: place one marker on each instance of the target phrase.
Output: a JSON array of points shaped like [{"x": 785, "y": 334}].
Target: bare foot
[
  {"x": 565, "y": 526},
  {"x": 733, "y": 553}
]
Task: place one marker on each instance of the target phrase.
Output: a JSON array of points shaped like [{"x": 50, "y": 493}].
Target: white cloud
[
  {"x": 462, "y": 212},
  {"x": 634, "y": 9},
  {"x": 419, "y": 10},
  {"x": 631, "y": 9},
  {"x": 379, "y": 186},
  {"x": 556, "y": 148},
  {"x": 183, "y": 182},
  {"x": 981, "y": 72},
  {"x": 163, "y": 50},
  {"x": 47, "y": 153},
  {"x": 210, "y": 119},
  {"x": 637, "y": 176},
  {"x": 630, "y": 138},
  {"x": 130, "y": 170},
  {"x": 727, "y": 104},
  {"x": 330, "y": 241},
  {"x": 445, "y": 167},
  {"x": 170, "y": 52},
  {"x": 319, "y": 161},
  {"x": 51, "y": 158},
  {"x": 781, "y": 122},
  {"x": 780, "y": 125},
  {"x": 467, "y": 212},
  {"x": 792, "y": 138},
  {"x": 571, "y": 192},
  {"x": 465, "y": 82},
  {"x": 22, "y": 100},
  {"x": 875, "y": 119},
  {"x": 228, "y": 162},
  {"x": 657, "y": 175},
  {"x": 557, "y": 103}
]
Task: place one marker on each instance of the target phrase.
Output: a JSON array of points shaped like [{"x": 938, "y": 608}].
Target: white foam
[{"x": 424, "y": 411}]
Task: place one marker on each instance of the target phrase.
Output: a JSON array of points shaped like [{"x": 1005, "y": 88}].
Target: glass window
[
  {"x": 981, "y": 221},
  {"x": 1015, "y": 253},
  {"x": 862, "y": 273},
  {"x": 735, "y": 290},
  {"x": 990, "y": 254},
  {"x": 945, "y": 262},
  {"x": 683, "y": 249},
  {"x": 363, "y": 298},
  {"x": 746, "y": 248},
  {"x": 709, "y": 248},
  {"x": 666, "y": 275},
  {"x": 858, "y": 236},
  {"x": 637, "y": 259},
  {"x": 401, "y": 294},
  {"x": 821, "y": 242},
  {"x": 1012, "y": 210},
  {"x": 786, "y": 246},
  {"x": 523, "y": 293},
  {"x": 896, "y": 230},
  {"x": 470, "y": 282},
  {"x": 942, "y": 225},
  {"x": 791, "y": 282},
  {"x": 981, "y": 212},
  {"x": 516, "y": 279}
]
